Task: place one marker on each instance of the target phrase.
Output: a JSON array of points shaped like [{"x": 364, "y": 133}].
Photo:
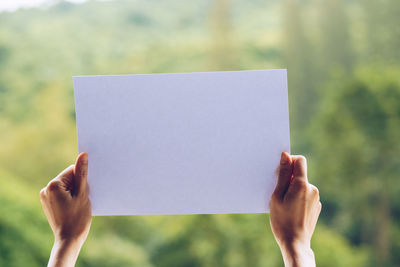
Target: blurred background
[{"x": 343, "y": 61}]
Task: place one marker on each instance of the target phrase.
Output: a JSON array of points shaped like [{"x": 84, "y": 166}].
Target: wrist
[
  {"x": 297, "y": 254},
  {"x": 65, "y": 251},
  {"x": 68, "y": 242}
]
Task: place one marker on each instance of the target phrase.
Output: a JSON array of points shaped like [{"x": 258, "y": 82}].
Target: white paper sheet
[{"x": 184, "y": 143}]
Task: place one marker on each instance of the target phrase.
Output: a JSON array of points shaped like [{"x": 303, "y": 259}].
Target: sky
[{"x": 12, "y": 5}]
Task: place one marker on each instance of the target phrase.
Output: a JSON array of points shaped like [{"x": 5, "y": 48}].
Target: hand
[
  {"x": 295, "y": 206},
  {"x": 67, "y": 208}
]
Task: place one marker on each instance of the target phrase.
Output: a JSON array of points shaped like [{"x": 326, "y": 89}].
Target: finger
[
  {"x": 314, "y": 192},
  {"x": 299, "y": 168},
  {"x": 284, "y": 176},
  {"x": 56, "y": 189},
  {"x": 62, "y": 182},
  {"x": 319, "y": 207},
  {"x": 45, "y": 208},
  {"x": 66, "y": 178},
  {"x": 299, "y": 184},
  {"x": 42, "y": 194},
  {"x": 317, "y": 212},
  {"x": 81, "y": 170}
]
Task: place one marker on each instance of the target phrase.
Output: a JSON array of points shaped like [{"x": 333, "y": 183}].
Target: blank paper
[{"x": 182, "y": 143}]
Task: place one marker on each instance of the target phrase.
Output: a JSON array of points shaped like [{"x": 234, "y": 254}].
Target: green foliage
[
  {"x": 356, "y": 135},
  {"x": 24, "y": 232},
  {"x": 333, "y": 250}
]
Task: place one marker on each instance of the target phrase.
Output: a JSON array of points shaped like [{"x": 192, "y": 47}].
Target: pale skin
[
  {"x": 295, "y": 207},
  {"x": 66, "y": 205}
]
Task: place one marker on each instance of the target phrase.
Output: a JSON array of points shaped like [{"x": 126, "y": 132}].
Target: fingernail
[
  {"x": 85, "y": 158},
  {"x": 284, "y": 159}
]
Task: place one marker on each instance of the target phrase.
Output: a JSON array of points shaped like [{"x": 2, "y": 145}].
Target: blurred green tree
[
  {"x": 335, "y": 39},
  {"x": 222, "y": 52},
  {"x": 299, "y": 59},
  {"x": 382, "y": 30},
  {"x": 356, "y": 147}
]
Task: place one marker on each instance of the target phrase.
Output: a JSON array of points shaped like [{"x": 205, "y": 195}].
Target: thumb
[
  {"x": 80, "y": 173},
  {"x": 285, "y": 174}
]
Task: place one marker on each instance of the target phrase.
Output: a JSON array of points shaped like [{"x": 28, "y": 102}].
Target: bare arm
[
  {"x": 295, "y": 206},
  {"x": 67, "y": 208}
]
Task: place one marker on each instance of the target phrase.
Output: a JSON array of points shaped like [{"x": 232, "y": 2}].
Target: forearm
[
  {"x": 64, "y": 253},
  {"x": 295, "y": 255}
]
